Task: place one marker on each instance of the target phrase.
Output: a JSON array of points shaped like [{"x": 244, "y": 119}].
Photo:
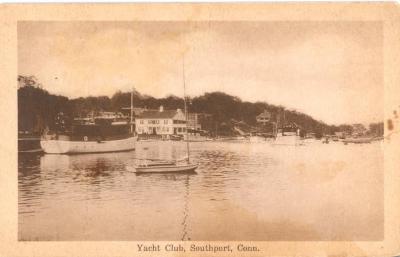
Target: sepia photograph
[
  {"x": 185, "y": 130},
  {"x": 200, "y": 130}
]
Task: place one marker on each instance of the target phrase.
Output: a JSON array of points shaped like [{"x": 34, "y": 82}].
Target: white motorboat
[{"x": 65, "y": 145}]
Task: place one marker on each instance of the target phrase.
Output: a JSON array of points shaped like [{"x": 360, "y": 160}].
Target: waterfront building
[
  {"x": 164, "y": 123},
  {"x": 264, "y": 118}
]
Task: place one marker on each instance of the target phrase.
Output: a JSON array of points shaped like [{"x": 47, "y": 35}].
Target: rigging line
[{"x": 186, "y": 113}]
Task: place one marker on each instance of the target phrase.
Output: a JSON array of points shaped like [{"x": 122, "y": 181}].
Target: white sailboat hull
[
  {"x": 73, "y": 147},
  {"x": 167, "y": 169}
]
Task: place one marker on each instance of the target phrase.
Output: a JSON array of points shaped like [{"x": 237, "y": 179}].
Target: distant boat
[
  {"x": 104, "y": 134},
  {"x": 166, "y": 167},
  {"x": 361, "y": 140},
  {"x": 287, "y": 138},
  {"x": 162, "y": 166},
  {"x": 288, "y": 135},
  {"x": 326, "y": 140},
  {"x": 195, "y": 138},
  {"x": 259, "y": 139}
]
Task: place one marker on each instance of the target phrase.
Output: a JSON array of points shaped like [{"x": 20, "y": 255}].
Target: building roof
[
  {"x": 264, "y": 114},
  {"x": 136, "y": 110},
  {"x": 152, "y": 114}
]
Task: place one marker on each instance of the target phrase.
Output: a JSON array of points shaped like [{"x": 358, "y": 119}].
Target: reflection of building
[
  {"x": 264, "y": 118},
  {"x": 161, "y": 122}
]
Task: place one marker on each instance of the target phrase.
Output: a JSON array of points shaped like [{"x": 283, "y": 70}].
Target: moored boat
[
  {"x": 67, "y": 146},
  {"x": 166, "y": 167},
  {"x": 259, "y": 139},
  {"x": 289, "y": 139},
  {"x": 100, "y": 134},
  {"x": 361, "y": 140},
  {"x": 29, "y": 143},
  {"x": 288, "y": 135}
]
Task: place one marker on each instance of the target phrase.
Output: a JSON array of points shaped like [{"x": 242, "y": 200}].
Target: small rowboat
[{"x": 166, "y": 167}]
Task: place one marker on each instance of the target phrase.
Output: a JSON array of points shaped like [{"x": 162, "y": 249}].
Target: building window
[
  {"x": 179, "y": 122},
  {"x": 165, "y": 121},
  {"x": 141, "y": 121}
]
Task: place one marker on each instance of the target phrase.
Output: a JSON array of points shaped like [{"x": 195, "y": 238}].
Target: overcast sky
[{"x": 332, "y": 71}]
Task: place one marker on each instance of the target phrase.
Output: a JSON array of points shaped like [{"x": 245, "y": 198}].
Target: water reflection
[{"x": 265, "y": 193}]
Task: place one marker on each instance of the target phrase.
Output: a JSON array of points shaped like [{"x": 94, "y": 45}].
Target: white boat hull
[
  {"x": 258, "y": 139},
  {"x": 358, "y": 140},
  {"x": 74, "y": 147},
  {"x": 167, "y": 169},
  {"x": 194, "y": 138},
  {"x": 291, "y": 140}
]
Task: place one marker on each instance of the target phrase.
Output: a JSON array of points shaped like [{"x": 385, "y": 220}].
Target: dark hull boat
[
  {"x": 29, "y": 143},
  {"x": 98, "y": 137}
]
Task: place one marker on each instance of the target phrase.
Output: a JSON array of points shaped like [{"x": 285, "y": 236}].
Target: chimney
[{"x": 161, "y": 108}]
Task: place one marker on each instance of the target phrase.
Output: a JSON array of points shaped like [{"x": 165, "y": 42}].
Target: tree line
[{"x": 38, "y": 109}]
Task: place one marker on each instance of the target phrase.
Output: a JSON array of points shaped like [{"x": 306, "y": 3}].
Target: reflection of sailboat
[
  {"x": 184, "y": 223},
  {"x": 182, "y": 165},
  {"x": 88, "y": 162}
]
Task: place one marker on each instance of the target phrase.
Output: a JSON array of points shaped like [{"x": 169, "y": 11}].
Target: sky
[{"x": 332, "y": 71}]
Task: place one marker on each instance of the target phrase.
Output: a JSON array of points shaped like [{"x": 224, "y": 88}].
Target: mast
[
  {"x": 132, "y": 110},
  {"x": 186, "y": 113}
]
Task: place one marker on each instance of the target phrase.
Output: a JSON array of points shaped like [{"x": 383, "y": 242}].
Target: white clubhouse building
[{"x": 161, "y": 122}]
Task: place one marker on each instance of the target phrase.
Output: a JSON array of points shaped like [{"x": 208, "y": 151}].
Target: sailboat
[{"x": 175, "y": 166}]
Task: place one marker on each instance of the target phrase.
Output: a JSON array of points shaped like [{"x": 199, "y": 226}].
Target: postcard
[{"x": 235, "y": 129}]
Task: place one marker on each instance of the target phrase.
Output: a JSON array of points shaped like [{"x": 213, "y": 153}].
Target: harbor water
[{"x": 240, "y": 191}]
